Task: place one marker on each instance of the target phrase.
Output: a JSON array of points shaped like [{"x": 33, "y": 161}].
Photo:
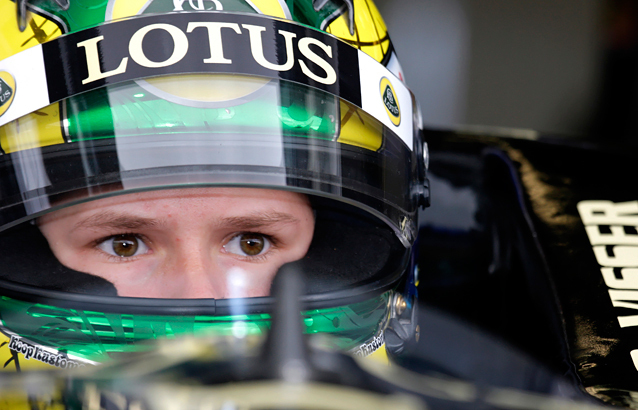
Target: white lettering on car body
[{"x": 616, "y": 249}]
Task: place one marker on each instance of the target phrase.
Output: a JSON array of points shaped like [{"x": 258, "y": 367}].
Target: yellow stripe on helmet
[
  {"x": 38, "y": 129},
  {"x": 370, "y": 32},
  {"x": 12, "y": 40},
  {"x": 358, "y": 129}
]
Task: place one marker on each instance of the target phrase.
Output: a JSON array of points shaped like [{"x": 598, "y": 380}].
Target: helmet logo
[
  {"x": 7, "y": 91},
  {"x": 199, "y": 91},
  {"x": 42, "y": 354},
  {"x": 180, "y": 51},
  {"x": 390, "y": 101}
]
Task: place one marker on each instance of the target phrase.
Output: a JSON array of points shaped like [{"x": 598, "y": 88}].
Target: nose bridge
[{"x": 196, "y": 271}]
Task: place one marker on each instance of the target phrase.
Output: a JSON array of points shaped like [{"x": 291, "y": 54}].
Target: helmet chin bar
[{"x": 95, "y": 328}]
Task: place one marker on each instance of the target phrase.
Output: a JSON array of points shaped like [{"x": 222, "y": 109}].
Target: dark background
[
  {"x": 566, "y": 68},
  {"x": 563, "y": 69}
]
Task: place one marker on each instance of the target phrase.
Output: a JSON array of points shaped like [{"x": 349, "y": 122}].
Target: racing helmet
[{"x": 108, "y": 102}]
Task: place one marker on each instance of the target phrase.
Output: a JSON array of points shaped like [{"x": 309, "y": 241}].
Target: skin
[{"x": 188, "y": 240}]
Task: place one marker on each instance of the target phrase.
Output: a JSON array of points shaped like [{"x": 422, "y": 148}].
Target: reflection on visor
[
  {"x": 270, "y": 110},
  {"x": 274, "y": 108}
]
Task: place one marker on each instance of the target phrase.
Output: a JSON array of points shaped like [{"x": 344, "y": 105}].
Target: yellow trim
[
  {"x": 270, "y": 8},
  {"x": 9, "y": 365},
  {"x": 39, "y": 29},
  {"x": 127, "y": 8},
  {"x": 359, "y": 129},
  {"x": 380, "y": 356},
  {"x": 6, "y": 364},
  {"x": 371, "y": 33},
  {"x": 38, "y": 129},
  {"x": 43, "y": 127}
]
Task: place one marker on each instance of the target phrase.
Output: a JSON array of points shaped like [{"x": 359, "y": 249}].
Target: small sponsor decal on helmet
[
  {"x": 390, "y": 101},
  {"x": 7, "y": 91},
  {"x": 370, "y": 347},
  {"x": 30, "y": 350}
]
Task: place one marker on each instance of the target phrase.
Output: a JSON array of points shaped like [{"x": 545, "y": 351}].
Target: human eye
[
  {"x": 248, "y": 245},
  {"x": 123, "y": 245}
]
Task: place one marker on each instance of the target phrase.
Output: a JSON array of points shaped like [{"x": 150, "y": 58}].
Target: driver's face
[{"x": 184, "y": 243}]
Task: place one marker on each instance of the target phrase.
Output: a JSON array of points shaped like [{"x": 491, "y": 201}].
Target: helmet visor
[{"x": 192, "y": 131}]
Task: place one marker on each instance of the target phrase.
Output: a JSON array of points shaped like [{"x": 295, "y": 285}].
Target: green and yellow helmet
[{"x": 102, "y": 100}]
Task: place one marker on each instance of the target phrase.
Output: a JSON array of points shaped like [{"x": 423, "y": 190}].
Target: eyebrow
[
  {"x": 116, "y": 221},
  {"x": 258, "y": 220},
  {"x": 119, "y": 221}
]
